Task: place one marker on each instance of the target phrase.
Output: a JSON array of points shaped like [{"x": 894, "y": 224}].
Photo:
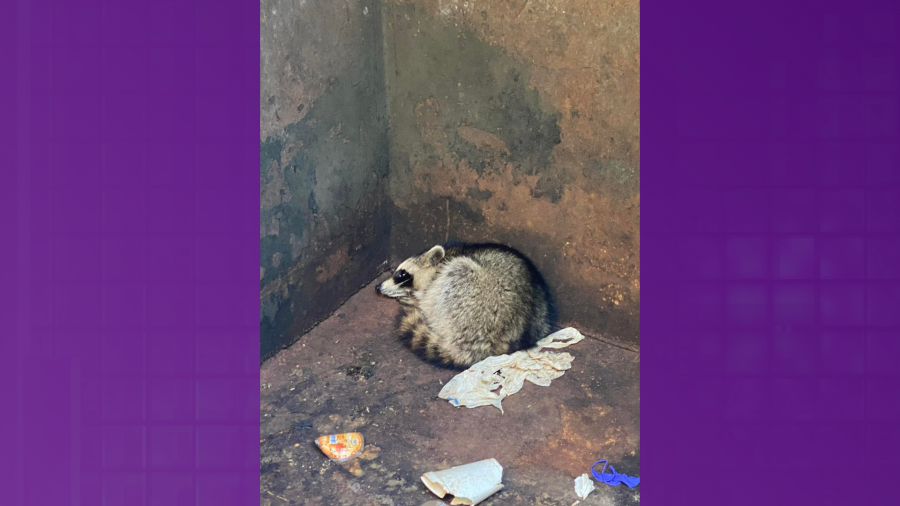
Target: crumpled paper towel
[
  {"x": 583, "y": 486},
  {"x": 488, "y": 382},
  {"x": 469, "y": 483}
]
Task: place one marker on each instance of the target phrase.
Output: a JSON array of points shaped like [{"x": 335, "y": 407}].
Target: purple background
[
  {"x": 771, "y": 332},
  {"x": 131, "y": 338},
  {"x": 771, "y": 259}
]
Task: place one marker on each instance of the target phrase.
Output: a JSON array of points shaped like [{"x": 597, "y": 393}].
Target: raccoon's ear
[{"x": 435, "y": 255}]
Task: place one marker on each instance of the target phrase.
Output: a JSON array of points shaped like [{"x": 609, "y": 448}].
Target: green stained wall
[{"x": 324, "y": 216}]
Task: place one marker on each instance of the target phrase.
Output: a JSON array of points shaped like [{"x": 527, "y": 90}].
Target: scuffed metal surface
[
  {"x": 350, "y": 374},
  {"x": 324, "y": 215},
  {"x": 519, "y": 122}
]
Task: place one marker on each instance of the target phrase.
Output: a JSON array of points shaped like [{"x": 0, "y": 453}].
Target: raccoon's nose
[{"x": 378, "y": 288}]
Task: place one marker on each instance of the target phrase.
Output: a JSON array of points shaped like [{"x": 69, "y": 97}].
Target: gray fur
[{"x": 463, "y": 303}]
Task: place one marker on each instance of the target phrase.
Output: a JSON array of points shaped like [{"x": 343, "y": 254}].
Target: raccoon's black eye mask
[{"x": 402, "y": 277}]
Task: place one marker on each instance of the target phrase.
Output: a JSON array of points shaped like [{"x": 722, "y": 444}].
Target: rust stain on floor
[
  {"x": 351, "y": 374},
  {"x": 583, "y": 434}
]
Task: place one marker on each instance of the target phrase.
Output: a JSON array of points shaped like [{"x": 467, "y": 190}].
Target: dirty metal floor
[{"x": 350, "y": 374}]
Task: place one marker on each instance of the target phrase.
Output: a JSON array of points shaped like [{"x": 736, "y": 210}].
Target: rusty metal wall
[
  {"x": 519, "y": 121},
  {"x": 386, "y": 127},
  {"x": 324, "y": 213}
]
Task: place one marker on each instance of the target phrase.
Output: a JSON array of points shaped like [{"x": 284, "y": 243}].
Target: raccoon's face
[{"x": 413, "y": 275}]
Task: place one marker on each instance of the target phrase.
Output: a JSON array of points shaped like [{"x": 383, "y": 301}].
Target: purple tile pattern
[
  {"x": 130, "y": 346},
  {"x": 771, "y": 270}
]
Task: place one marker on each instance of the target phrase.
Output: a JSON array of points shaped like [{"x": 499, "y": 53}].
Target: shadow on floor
[{"x": 351, "y": 374}]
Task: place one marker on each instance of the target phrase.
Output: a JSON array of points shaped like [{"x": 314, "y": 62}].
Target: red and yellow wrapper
[{"x": 341, "y": 447}]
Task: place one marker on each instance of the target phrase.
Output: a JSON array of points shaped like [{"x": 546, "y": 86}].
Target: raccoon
[{"x": 461, "y": 303}]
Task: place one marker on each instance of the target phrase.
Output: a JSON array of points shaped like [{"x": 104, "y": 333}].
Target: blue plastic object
[{"x": 614, "y": 478}]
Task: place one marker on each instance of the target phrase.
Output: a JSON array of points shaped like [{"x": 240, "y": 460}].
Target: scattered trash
[
  {"x": 488, "y": 382},
  {"x": 341, "y": 447},
  {"x": 469, "y": 484},
  {"x": 583, "y": 486},
  {"x": 614, "y": 478},
  {"x": 303, "y": 425}
]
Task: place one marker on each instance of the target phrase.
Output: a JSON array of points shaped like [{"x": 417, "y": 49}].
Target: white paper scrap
[{"x": 583, "y": 486}]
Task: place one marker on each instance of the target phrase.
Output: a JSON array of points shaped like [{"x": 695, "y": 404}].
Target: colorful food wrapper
[{"x": 341, "y": 447}]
